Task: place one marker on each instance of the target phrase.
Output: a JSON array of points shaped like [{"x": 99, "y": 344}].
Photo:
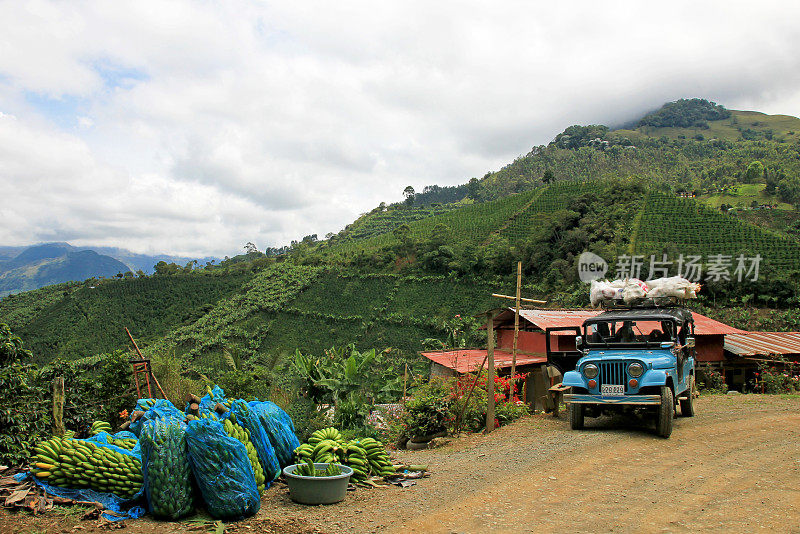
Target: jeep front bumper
[{"x": 585, "y": 398}]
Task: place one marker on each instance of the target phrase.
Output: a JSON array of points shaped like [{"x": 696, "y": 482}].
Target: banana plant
[{"x": 337, "y": 374}]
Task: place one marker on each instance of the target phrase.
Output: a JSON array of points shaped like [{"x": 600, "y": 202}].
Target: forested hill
[{"x": 742, "y": 162}]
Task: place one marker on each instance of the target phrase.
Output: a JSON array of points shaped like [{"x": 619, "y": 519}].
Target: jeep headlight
[
  {"x": 590, "y": 370},
  {"x": 635, "y": 369}
]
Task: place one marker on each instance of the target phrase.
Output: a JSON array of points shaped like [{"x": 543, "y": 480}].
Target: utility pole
[
  {"x": 516, "y": 323},
  {"x": 517, "y": 304}
]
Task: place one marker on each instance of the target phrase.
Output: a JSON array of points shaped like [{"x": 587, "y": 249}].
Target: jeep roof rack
[{"x": 643, "y": 303}]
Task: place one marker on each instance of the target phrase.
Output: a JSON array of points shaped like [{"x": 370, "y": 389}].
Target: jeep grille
[{"x": 612, "y": 373}]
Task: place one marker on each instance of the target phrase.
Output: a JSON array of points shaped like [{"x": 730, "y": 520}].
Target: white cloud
[{"x": 193, "y": 127}]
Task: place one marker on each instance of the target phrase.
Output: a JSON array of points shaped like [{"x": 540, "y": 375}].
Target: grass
[
  {"x": 742, "y": 196},
  {"x": 781, "y": 127}
]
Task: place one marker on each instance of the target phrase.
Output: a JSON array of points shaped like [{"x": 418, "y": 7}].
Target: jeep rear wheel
[
  {"x": 687, "y": 404},
  {"x": 576, "y": 416},
  {"x": 665, "y": 412}
]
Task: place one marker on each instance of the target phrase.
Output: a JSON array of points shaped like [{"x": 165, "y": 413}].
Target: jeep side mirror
[
  {"x": 578, "y": 342},
  {"x": 667, "y": 344},
  {"x": 690, "y": 342}
]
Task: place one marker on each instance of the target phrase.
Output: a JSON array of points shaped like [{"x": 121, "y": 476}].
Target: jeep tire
[
  {"x": 665, "y": 412},
  {"x": 576, "y": 416},
  {"x": 687, "y": 404}
]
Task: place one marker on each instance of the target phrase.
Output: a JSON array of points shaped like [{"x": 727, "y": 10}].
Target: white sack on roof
[
  {"x": 602, "y": 290},
  {"x": 631, "y": 290},
  {"x": 674, "y": 286}
]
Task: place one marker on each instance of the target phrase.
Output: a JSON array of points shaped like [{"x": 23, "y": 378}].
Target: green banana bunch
[
  {"x": 145, "y": 404},
  {"x": 76, "y": 463},
  {"x": 168, "y": 477},
  {"x": 356, "y": 459},
  {"x": 123, "y": 443},
  {"x": 237, "y": 431},
  {"x": 377, "y": 457},
  {"x": 325, "y": 433},
  {"x": 308, "y": 469},
  {"x": 366, "y": 456},
  {"x": 99, "y": 426}
]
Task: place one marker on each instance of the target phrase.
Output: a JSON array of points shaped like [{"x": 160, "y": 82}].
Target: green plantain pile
[
  {"x": 237, "y": 431},
  {"x": 167, "y": 473},
  {"x": 365, "y": 456},
  {"x": 73, "y": 463}
]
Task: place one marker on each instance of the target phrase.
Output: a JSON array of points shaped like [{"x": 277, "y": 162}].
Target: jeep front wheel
[
  {"x": 576, "y": 416},
  {"x": 665, "y": 412}
]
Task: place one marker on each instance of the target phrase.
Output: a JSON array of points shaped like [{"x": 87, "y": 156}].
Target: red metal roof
[
  {"x": 468, "y": 360},
  {"x": 763, "y": 343},
  {"x": 553, "y": 318},
  {"x": 706, "y": 325}
]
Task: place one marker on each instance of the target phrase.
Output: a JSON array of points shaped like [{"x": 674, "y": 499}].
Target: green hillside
[
  {"x": 400, "y": 274},
  {"x": 740, "y": 126},
  {"x": 77, "y": 320},
  {"x": 287, "y": 307}
]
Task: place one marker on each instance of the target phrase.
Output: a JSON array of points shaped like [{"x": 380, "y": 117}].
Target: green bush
[
  {"x": 430, "y": 409},
  {"x": 710, "y": 380},
  {"x": 771, "y": 380}
]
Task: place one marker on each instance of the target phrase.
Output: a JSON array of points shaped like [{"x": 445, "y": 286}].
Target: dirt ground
[{"x": 734, "y": 467}]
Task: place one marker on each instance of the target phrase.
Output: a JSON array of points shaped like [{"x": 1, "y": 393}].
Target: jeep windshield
[{"x": 634, "y": 329}]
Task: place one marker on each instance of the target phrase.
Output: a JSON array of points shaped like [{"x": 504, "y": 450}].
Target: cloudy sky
[{"x": 194, "y": 127}]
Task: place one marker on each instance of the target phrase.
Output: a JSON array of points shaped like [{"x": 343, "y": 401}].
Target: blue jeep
[{"x": 640, "y": 359}]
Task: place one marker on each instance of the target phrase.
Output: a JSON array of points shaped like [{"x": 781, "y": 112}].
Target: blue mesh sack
[
  {"x": 222, "y": 470},
  {"x": 260, "y": 439},
  {"x": 279, "y": 428},
  {"x": 154, "y": 409},
  {"x": 91, "y": 470},
  {"x": 165, "y": 468}
]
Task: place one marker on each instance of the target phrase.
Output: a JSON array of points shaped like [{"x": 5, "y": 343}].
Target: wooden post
[
  {"x": 490, "y": 374},
  {"x": 516, "y": 326},
  {"x": 58, "y": 406}
]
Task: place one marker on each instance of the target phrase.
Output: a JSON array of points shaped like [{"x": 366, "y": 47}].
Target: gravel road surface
[{"x": 734, "y": 467}]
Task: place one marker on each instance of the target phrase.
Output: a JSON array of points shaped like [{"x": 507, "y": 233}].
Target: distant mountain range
[{"x": 32, "y": 267}]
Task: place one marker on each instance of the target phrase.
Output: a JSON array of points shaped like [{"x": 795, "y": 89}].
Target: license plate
[{"x": 609, "y": 389}]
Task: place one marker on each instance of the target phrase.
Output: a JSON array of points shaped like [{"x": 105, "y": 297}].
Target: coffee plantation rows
[
  {"x": 75, "y": 320},
  {"x": 472, "y": 223},
  {"x": 311, "y": 309},
  {"x": 380, "y": 221},
  {"x": 697, "y": 229}
]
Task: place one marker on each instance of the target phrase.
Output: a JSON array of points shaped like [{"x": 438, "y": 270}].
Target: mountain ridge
[{"x": 24, "y": 268}]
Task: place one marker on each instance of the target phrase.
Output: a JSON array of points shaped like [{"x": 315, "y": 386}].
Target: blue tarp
[{"x": 125, "y": 508}]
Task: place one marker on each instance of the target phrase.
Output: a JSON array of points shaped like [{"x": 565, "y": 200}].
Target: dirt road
[{"x": 733, "y": 467}]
